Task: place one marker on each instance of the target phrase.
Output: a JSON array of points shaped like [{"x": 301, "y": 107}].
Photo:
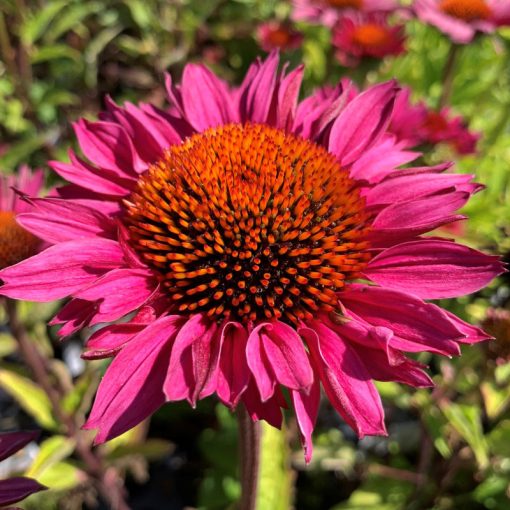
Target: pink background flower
[{"x": 274, "y": 35}]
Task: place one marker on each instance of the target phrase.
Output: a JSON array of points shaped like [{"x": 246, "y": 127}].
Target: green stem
[
  {"x": 449, "y": 75},
  {"x": 249, "y": 453}
]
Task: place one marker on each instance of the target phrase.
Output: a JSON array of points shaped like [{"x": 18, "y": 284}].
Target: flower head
[
  {"x": 258, "y": 242},
  {"x": 415, "y": 123},
  {"x": 462, "y": 19},
  {"x": 15, "y": 489},
  {"x": 326, "y": 12},
  {"x": 274, "y": 35},
  {"x": 16, "y": 243},
  {"x": 357, "y": 36}
]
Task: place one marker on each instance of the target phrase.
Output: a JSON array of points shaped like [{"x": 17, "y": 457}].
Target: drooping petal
[
  {"x": 417, "y": 326},
  {"x": 269, "y": 410},
  {"x": 233, "y": 374},
  {"x": 433, "y": 269},
  {"x": 259, "y": 364},
  {"x": 61, "y": 269},
  {"x": 345, "y": 379},
  {"x": 194, "y": 359},
  {"x": 132, "y": 387},
  {"x": 471, "y": 333},
  {"x": 306, "y": 408}
]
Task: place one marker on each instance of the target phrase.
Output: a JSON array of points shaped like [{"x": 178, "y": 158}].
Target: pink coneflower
[
  {"x": 326, "y": 12},
  {"x": 15, "y": 489},
  {"x": 16, "y": 243},
  {"x": 356, "y": 36},
  {"x": 274, "y": 35},
  {"x": 264, "y": 243},
  {"x": 443, "y": 127},
  {"x": 462, "y": 19}
]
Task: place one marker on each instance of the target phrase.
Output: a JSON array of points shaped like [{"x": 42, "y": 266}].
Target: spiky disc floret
[
  {"x": 16, "y": 244},
  {"x": 250, "y": 222}
]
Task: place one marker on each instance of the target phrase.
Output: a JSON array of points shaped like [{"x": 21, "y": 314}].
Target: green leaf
[
  {"x": 466, "y": 420},
  {"x": 36, "y": 25},
  {"x": 52, "y": 451},
  {"x": 275, "y": 475},
  {"x": 53, "y": 52},
  {"x": 8, "y": 344},
  {"x": 30, "y": 397},
  {"x": 495, "y": 399},
  {"x": 71, "y": 18},
  {"x": 150, "y": 449},
  {"x": 499, "y": 439},
  {"x": 62, "y": 476}
]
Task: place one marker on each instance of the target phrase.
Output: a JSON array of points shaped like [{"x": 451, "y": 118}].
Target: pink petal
[
  {"x": 87, "y": 176},
  {"x": 108, "y": 146},
  {"x": 433, "y": 269},
  {"x": 471, "y": 333},
  {"x": 61, "y": 269},
  {"x": 417, "y": 326},
  {"x": 306, "y": 408},
  {"x": 206, "y": 99},
  {"x": 194, "y": 360},
  {"x": 345, "y": 379},
  {"x": 118, "y": 293},
  {"x": 362, "y": 122},
  {"x": 132, "y": 387},
  {"x": 13, "y": 490},
  {"x": 288, "y": 94},
  {"x": 57, "y": 220},
  {"x": 234, "y": 374},
  {"x": 269, "y": 411},
  {"x": 257, "y": 90}
]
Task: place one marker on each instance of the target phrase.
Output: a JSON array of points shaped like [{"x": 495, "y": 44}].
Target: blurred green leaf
[
  {"x": 52, "y": 451},
  {"x": 8, "y": 344},
  {"x": 54, "y": 51},
  {"x": 30, "y": 397},
  {"x": 466, "y": 419},
  {"x": 36, "y": 25},
  {"x": 62, "y": 476},
  {"x": 150, "y": 449}
]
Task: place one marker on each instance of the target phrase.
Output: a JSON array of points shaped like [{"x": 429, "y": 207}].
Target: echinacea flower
[
  {"x": 462, "y": 19},
  {"x": 326, "y": 12},
  {"x": 275, "y": 35},
  {"x": 16, "y": 243},
  {"x": 15, "y": 489},
  {"x": 255, "y": 243},
  {"x": 441, "y": 126},
  {"x": 357, "y": 36}
]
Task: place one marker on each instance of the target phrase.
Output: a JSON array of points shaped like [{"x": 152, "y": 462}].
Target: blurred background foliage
[{"x": 448, "y": 448}]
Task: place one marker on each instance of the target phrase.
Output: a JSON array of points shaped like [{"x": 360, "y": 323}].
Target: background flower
[{"x": 274, "y": 35}]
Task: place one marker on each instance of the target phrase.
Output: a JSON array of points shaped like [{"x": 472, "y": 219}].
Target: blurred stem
[
  {"x": 249, "y": 448},
  {"x": 108, "y": 484},
  {"x": 449, "y": 75}
]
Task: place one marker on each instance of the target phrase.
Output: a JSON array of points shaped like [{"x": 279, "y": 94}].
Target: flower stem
[
  {"x": 449, "y": 75},
  {"x": 249, "y": 448},
  {"x": 108, "y": 482}
]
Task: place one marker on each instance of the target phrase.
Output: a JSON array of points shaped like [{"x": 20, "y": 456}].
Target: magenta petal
[
  {"x": 288, "y": 94},
  {"x": 194, "y": 359},
  {"x": 306, "y": 408},
  {"x": 132, "y": 387},
  {"x": 471, "y": 333},
  {"x": 13, "y": 490},
  {"x": 206, "y": 100},
  {"x": 287, "y": 356},
  {"x": 415, "y": 217},
  {"x": 269, "y": 411},
  {"x": 362, "y": 122},
  {"x": 11, "y": 442},
  {"x": 416, "y": 326},
  {"x": 57, "y": 220},
  {"x": 258, "y": 89},
  {"x": 109, "y": 340},
  {"x": 346, "y": 380},
  {"x": 433, "y": 269},
  {"x": 118, "y": 293},
  {"x": 87, "y": 176},
  {"x": 60, "y": 270},
  {"x": 259, "y": 364},
  {"x": 234, "y": 374},
  {"x": 108, "y": 146}
]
